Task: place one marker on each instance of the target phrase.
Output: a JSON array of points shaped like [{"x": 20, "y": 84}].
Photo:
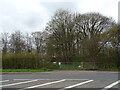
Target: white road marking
[
  {"x": 75, "y": 85},
  {"x": 43, "y": 84},
  {"x": 77, "y": 79},
  {"x": 18, "y": 83},
  {"x": 4, "y": 81},
  {"x": 21, "y": 79},
  {"x": 111, "y": 85},
  {"x": 48, "y": 79}
]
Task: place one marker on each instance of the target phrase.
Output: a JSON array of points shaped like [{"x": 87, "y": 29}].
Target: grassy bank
[
  {"x": 25, "y": 70},
  {"x": 66, "y": 68},
  {"x": 110, "y": 69},
  {"x": 89, "y": 69},
  {"x": 76, "y": 67}
]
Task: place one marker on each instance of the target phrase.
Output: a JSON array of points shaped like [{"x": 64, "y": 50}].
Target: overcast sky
[{"x": 32, "y": 15}]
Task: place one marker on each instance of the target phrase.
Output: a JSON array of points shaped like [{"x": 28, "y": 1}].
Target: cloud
[
  {"x": 105, "y": 7},
  {"x": 21, "y": 14},
  {"x": 32, "y": 15}
]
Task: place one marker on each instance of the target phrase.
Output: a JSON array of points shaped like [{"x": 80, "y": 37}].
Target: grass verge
[
  {"x": 25, "y": 70},
  {"x": 110, "y": 69}
]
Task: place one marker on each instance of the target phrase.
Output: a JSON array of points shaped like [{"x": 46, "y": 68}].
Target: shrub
[{"x": 25, "y": 61}]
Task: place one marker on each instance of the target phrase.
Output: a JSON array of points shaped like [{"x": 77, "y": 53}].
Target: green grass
[
  {"x": 62, "y": 68},
  {"x": 75, "y": 67},
  {"x": 69, "y": 67},
  {"x": 110, "y": 69},
  {"x": 25, "y": 70}
]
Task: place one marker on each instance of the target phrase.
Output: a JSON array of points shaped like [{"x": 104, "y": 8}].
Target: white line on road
[
  {"x": 4, "y": 81},
  {"x": 21, "y": 79},
  {"x": 43, "y": 84},
  {"x": 75, "y": 85},
  {"x": 77, "y": 79},
  {"x": 18, "y": 83},
  {"x": 111, "y": 85}
]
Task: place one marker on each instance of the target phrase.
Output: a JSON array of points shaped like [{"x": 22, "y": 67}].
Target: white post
[
  {"x": 119, "y": 12},
  {"x": 59, "y": 63},
  {"x": 1, "y": 47}
]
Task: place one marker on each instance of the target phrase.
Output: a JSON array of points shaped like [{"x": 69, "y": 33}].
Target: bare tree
[
  {"x": 17, "y": 42},
  {"x": 91, "y": 26},
  {"x": 77, "y": 34},
  {"x": 62, "y": 34},
  {"x": 40, "y": 42},
  {"x": 5, "y": 41},
  {"x": 28, "y": 43}
]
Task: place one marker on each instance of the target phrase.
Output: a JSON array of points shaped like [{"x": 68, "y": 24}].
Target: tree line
[{"x": 70, "y": 37}]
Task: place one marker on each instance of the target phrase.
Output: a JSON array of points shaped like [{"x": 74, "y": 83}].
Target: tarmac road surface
[{"x": 61, "y": 80}]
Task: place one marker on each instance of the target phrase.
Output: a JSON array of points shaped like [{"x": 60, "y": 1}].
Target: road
[{"x": 61, "y": 80}]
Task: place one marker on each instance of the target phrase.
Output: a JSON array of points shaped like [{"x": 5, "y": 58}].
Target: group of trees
[
  {"x": 70, "y": 37},
  {"x": 19, "y": 42},
  {"x": 74, "y": 36}
]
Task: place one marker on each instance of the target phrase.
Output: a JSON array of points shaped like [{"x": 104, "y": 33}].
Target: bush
[{"x": 25, "y": 61}]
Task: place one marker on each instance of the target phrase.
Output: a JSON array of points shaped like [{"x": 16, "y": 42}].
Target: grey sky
[{"x": 32, "y": 15}]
